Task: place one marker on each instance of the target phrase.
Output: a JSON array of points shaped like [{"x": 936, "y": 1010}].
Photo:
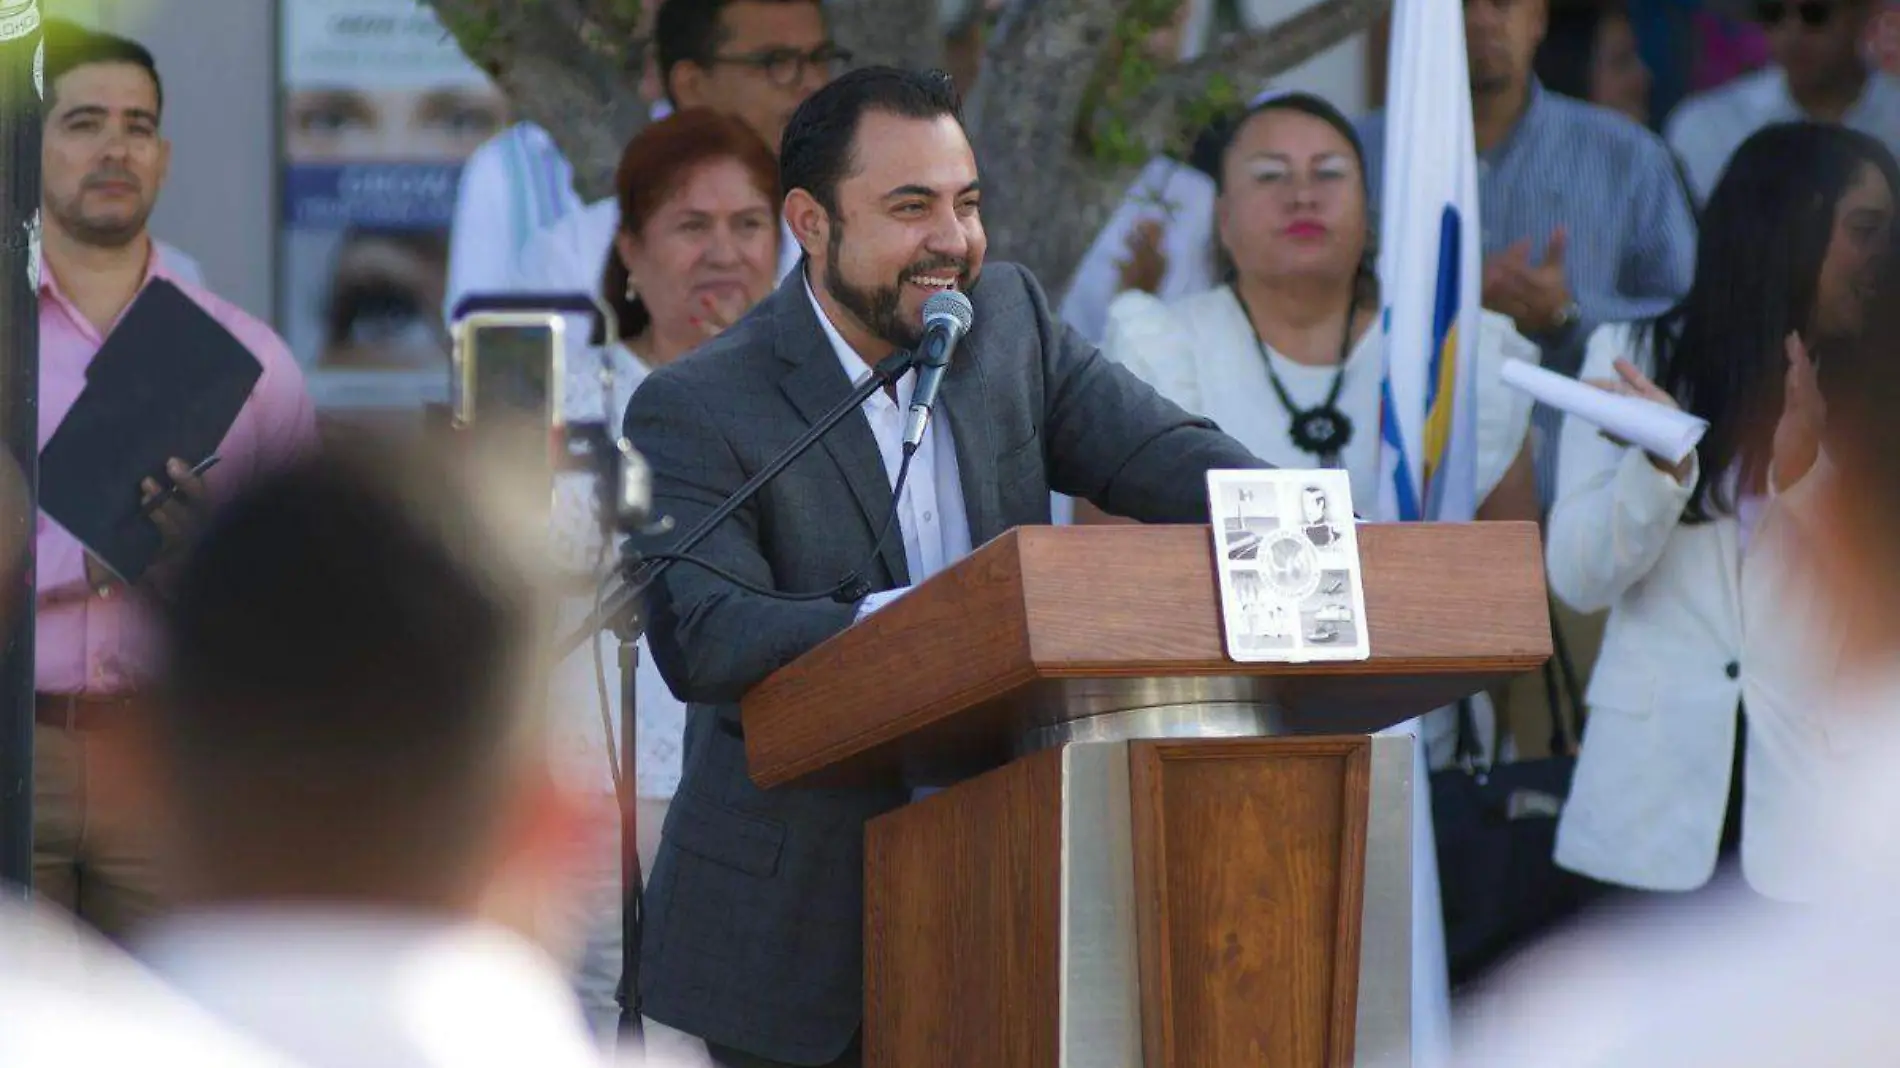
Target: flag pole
[{"x": 21, "y": 73}]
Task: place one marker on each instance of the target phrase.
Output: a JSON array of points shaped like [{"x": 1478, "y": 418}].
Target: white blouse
[
  {"x": 1201, "y": 353},
  {"x": 582, "y": 746}
]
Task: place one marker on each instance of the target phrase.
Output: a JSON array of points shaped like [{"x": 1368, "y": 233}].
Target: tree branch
[
  {"x": 897, "y": 34},
  {"x": 570, "y": 66},
  {"x": 1248, "y": 59}
]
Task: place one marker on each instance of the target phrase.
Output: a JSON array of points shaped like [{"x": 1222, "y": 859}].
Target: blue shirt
[{"x": 1614, "y": 188}]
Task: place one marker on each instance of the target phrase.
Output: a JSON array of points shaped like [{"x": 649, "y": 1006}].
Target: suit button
[{"x": 1734, "y": 670}]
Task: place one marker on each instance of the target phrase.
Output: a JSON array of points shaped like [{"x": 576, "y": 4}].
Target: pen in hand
[{"x": 171, "y": 491}]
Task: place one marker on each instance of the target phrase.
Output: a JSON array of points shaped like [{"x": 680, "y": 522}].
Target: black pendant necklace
[{"x": 1322, "y": 430}]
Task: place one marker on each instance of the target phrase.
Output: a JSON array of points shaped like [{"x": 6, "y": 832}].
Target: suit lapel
[
  {"x": 815, "y": 384},
  {"x": 963, "y": 405}
]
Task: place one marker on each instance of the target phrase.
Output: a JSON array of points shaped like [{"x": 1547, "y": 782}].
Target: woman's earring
[{"x": 633, "y": 291}]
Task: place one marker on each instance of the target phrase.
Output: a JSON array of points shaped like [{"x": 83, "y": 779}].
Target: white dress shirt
[
  {"x": 513, "y": 186},
  {"x": 1706, "y": 129},
  {"x": 363, "y": 989},
  {"x": 69, "y": 997},
  {"x": 931, "y": 514}
]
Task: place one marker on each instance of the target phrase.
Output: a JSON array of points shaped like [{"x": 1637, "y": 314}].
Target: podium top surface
[{"x": 1048, "y": 624}]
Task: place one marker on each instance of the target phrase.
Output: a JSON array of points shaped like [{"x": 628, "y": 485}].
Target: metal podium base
[{"x": 1100, "y": 1000}]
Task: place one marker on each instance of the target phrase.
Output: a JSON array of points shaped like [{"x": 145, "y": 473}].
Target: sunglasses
[{"x": 1813, "y": 13}]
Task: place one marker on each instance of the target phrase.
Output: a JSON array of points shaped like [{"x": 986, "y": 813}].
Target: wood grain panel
[
  {"x": 938, "y": 684},
  {"x": 962, "y": 924},
  {"x": 1249, "y": 876}
]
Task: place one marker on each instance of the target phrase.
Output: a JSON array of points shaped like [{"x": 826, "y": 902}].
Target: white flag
[{"x": 1430, "y": 271}]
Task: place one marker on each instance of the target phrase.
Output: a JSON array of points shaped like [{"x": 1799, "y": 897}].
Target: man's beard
[
  {"x": 97, "y": 232},
  {"x": 880, "y": 309}
]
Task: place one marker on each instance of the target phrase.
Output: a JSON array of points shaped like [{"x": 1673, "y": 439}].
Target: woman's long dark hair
[{"x": 1765, "y": 231}]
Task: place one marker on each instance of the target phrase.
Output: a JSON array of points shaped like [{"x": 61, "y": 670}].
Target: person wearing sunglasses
[{"x": 1820, "y": 72}]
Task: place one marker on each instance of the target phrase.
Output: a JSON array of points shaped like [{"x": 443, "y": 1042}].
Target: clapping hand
[
  {"x": 1803, "y": 416},
  {"x": 1535, "y": 298},
  {"x": 1145, "y": 265}
]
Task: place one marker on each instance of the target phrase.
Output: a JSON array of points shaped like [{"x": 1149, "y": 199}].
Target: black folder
[{"x": 169, "y": 381}]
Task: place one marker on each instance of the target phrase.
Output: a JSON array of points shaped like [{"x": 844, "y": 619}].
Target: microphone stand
[
  {"x": 622, "y": 613},
  {"x": 624, "y": 601}
]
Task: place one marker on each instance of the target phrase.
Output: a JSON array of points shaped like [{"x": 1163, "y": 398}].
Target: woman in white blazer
[{"x": 1706, "y": 734}]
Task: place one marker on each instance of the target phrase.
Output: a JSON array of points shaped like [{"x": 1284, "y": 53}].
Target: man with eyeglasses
[
  {"x": 1821, "y": 72},
  {"x": 755, "y": 60}
]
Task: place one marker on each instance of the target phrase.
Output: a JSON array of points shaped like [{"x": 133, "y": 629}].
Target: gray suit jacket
[{"x": 754, "y": 907}]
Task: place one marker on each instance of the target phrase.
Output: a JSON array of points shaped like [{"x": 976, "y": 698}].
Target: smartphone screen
[{"x": 512, "y": 373}]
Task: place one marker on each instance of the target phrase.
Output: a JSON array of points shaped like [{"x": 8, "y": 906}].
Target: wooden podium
[{"x": 1147, "y": 854}]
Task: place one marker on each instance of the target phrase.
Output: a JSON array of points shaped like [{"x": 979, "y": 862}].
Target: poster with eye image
[
  {"x": 1287, "y": 554},
  {"x": 379, "y": 111}
]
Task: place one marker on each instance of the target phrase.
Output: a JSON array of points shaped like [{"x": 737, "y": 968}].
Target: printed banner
[{"x": 380, "y": 111}]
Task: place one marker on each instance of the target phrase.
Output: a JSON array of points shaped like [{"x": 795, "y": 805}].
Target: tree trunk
[{"x": 573, "y": 67}]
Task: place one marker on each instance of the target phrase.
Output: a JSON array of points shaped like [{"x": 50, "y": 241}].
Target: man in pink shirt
[{"x": 103, "y": 164}]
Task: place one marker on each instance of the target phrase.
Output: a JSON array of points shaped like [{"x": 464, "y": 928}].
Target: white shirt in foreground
[
  {"x": 360, "y": 989},
  {"x": 68, "y": 997},
  {"x": 1738, "y": 983}
]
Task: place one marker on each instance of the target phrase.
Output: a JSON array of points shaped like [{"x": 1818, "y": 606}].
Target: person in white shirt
[
  {"x": 1160, "y": 238},
  {"x": 68, "y": 996},
  {"x": 515, "y": 185},
  {"x": 1820, "y": 72},
  {"x": 1705, "y": 737},
  {"x": 345, "y": 744},
  {"x": 1289, "y": 358},
  {"x": 1745, "y": 982},
  {"x": 696, "y": 246}
]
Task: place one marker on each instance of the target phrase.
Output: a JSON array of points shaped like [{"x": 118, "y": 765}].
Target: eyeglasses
[
  {"x": 1814, "y": 14},
  {"x": 785, "y": 67}
]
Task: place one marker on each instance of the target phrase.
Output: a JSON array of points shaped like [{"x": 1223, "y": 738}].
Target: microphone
[{"x": 947, "y": 317}]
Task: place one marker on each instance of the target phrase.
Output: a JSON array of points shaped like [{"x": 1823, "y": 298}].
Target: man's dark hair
[
  {"x": 70, "y": 46},
  {"x": 347, "y": 652},
  {"x": 693, "y": 30},
  {"x": 816, "y": 152}
]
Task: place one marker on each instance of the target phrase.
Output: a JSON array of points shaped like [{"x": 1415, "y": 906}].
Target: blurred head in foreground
[
  {"x": 1860, "y": 564},
  {"x": 349, "y": 711}
]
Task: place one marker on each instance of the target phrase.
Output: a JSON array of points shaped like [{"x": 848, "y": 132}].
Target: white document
[
  {"x": 1654, "y": 428},
  {"x": 1288, "y": 557}
]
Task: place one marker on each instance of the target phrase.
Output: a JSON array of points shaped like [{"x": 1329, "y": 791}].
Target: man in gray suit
[{"x": 754, "y": 911}]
